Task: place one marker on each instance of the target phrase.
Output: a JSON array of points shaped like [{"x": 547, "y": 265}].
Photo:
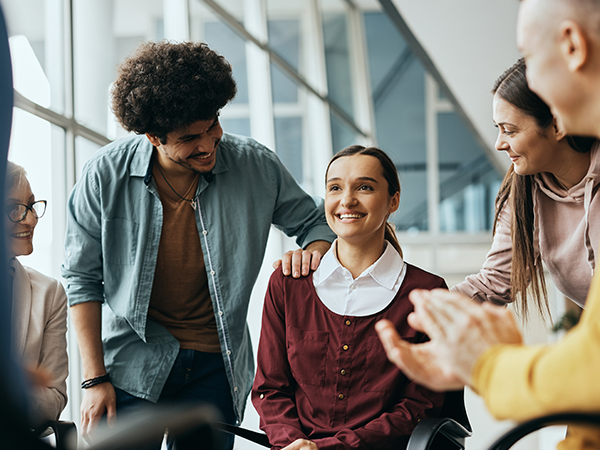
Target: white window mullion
[
  {"x": 316, "y": 129},
  {"x": 364, "y": 115},
  {"x": 176, "y": 20},
  {"x": 259, "y": 74},
  {"x": 433, "y": 175}
]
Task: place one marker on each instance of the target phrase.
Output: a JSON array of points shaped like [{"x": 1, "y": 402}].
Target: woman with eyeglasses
[{"x": 39, "y": 304}]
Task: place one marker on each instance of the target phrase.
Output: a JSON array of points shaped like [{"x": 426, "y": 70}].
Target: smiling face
[
  {"x": 20, "y": 235},
  {"x": 530, "y": 148},
  {"x": 193, "y": 147},
  {"x": 357, "y": 201}
]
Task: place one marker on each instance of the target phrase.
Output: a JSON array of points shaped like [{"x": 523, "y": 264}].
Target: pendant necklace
[{"x": 192, "y": 201}]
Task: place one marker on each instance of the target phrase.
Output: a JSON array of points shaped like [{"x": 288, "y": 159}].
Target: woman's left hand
[
  {"x": 301, "y": 262},
  {"x": 302, "y": 444}
]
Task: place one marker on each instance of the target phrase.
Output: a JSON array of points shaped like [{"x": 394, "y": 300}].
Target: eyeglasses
[{"x": 17, "y": 212}]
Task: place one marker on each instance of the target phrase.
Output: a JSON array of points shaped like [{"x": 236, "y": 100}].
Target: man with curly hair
[{"x": 166, "y": 233}]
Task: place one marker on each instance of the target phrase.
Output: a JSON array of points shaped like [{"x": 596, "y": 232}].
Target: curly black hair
[{"x": 164, "y": 86}]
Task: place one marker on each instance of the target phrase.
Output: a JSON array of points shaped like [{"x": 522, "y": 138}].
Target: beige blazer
[{"x": 39, "y": 319}]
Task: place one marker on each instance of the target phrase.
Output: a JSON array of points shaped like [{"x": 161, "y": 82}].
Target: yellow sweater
[{"x": 521, "y": 382}]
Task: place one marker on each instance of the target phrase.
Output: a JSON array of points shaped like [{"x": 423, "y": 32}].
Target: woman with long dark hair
[
  {"x": 323, "y": 380},
  {"x": 545, "y": 206}
]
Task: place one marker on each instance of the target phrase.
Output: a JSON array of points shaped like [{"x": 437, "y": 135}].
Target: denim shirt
[{"x": 114, "y": 225}]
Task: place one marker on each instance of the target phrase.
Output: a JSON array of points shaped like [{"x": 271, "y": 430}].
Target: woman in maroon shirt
[{"x": 323, "y": 380}]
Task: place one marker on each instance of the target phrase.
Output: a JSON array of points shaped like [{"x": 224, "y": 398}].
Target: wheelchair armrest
[
  {"x": 508, "y": 439},
  {"x": 427, "y": 429},
  {"x": 252, "y": 436},
  {"x": 65, "y": 433}
]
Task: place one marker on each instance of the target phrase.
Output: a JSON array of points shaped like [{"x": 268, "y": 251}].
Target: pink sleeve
[{"x": 492, "y": 283}]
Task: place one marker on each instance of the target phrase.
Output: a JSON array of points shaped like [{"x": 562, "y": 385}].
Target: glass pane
[
  {"x": 341, "y": 135},
  {"x": 288, "y": 140},
  {"x": 224, "y": 41},
  {"x": 284, "y": 38},
  {"x": 468, "y": 181},
  {"x": 208, "y": 27},
  {"x": 104, "y": 33},
  {"x": 39, "y": 147},
  {"x": 36, "y": 43},
  {"x": 236, "y": 126},
  {"x": 397, "y": 82},
  {"x": 337, "y": 60}
]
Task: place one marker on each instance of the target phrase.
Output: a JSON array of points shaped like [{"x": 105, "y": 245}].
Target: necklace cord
[{"x": 191, "y": 200}]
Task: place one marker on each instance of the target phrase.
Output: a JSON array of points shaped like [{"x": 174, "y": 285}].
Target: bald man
[{"x": 480, "y": 345}]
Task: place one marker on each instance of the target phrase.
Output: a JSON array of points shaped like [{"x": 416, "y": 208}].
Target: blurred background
[{"x": 314, "y": 76}]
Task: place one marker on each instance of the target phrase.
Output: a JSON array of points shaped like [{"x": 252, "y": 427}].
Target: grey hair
[{"x": 15, "y": 176}]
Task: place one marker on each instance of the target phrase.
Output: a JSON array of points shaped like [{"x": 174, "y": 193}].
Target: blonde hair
[{"x": 15, "y": 176}]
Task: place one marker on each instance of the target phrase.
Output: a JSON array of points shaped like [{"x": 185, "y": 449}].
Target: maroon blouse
[{"x": 326, "y": 378}]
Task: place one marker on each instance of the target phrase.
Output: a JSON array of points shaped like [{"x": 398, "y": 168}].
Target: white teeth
[
  {"x": 24, "y": 234},
  {"x": 351, "y": 216}
]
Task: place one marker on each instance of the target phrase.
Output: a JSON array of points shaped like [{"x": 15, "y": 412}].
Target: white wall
[{"x": 471, "y": 42}]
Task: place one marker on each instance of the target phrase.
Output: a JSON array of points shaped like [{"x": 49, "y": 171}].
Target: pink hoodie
[{"x": 565, "y": 235}]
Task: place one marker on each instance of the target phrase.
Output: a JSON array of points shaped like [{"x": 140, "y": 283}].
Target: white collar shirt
[{"x": 371, "y": 292}]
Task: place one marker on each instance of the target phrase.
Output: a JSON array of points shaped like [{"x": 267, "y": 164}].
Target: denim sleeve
[
  {"x": 82, "y": 268},
  {"x": 297, "y": 213}
]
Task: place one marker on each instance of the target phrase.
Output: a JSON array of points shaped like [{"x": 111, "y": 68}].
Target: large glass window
[
  {"x": 397, "y": 84},
  {"x": 468, "y": 181},
  {"x": 37, "y": 49},
  {"x": 103, "y": 34},
  {"x": 339, "y": 72},
  {"x": 405, "y": 113}
]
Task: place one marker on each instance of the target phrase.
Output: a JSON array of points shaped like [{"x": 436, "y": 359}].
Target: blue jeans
[{"x": 196, "y": 377}]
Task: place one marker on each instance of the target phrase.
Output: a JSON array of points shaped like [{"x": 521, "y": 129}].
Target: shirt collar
[{"x": 385, "y": 271}]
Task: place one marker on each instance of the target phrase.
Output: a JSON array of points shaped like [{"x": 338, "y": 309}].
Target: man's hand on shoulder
[{"x": 300, "y": 262}]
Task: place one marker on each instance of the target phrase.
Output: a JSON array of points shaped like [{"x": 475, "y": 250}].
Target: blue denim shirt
[{"x": 114, "y": 225}]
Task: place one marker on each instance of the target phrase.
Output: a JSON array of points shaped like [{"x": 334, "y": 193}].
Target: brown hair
[
  {"x": 516, "y": 192},
  {"x": 390, "y": 174}
]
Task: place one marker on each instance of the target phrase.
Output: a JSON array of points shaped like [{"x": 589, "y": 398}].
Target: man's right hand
[{"x": 97, "y": 401}]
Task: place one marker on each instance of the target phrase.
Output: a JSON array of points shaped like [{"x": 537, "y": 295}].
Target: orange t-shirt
[{"x": 180, "y": 299}]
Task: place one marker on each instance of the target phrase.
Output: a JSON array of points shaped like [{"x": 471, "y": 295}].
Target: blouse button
[
  {"x": 341, "y": 396},
  {"x": 262, "y": 396},
  {"x": 205, "y": 232},
  {"x": 345, "y": 347},
  {"x": 212, "y": 272},
  {"x": 348, "y": 322},
  {"x": 343, "y": 372}
]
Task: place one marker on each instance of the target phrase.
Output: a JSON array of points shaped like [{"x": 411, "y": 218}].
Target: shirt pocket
[
  {"x": 307, "y": 355},
  {"x": 381, "y": 375},
  {"x": 119, "y": 241}
]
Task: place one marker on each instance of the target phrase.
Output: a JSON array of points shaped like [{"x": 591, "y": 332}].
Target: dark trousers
[{"x": 198, "y": 378}]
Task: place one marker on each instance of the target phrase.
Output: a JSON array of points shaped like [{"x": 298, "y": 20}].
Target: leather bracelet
[{"x": 95, "y": 381}]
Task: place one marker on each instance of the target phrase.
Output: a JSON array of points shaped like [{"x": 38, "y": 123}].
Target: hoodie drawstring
[{"x": 587, "y": 200}]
